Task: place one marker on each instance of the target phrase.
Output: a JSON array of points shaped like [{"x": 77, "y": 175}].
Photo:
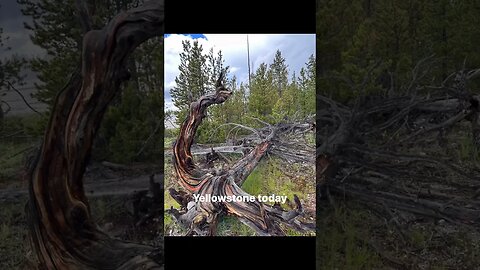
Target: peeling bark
[
  {"x": 387, "y": 150},
  {"x": 63, "y": 232},
  {"x": 201, "y": 218}
]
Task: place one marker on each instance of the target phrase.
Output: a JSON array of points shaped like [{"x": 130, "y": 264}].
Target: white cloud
[
  {"x": 169, "y": 105},
  {"x": 295, "y": 49}
]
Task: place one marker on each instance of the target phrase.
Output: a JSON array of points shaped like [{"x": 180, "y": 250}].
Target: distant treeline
[
  {"x": 132, "y": 127},
  {"x": 387, "y": 39},
  {"x": 275, "y": 93}
]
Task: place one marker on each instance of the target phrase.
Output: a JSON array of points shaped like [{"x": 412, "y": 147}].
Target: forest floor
[
  {"x": 353, "y": 234},
  {"x": 271, "y": 176},
  {"x": 110, "y": 193},
  {"x": 97, "y": 187}
]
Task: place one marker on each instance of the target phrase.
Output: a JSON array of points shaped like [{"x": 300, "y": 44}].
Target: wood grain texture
[
  {"x": 63, "y": 232},
  {"x": 201, "y": 218}
]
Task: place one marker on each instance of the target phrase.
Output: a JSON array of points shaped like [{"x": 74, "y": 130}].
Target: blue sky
[
  {"x": 194, "y": 36},
  {"x": 295, "y": 48}
]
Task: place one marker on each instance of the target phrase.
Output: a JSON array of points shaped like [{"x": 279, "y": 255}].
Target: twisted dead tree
[
  {"x": 394, "y": 152},
  {"x": 201, "y": 217},
  {"x": 63, "y": 232}
]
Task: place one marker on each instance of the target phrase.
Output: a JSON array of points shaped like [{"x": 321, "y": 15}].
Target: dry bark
[
  {"x": 201, "y": 218},
  {"x": 63, "y": 232},
  {"x": 375, "y": 150}
]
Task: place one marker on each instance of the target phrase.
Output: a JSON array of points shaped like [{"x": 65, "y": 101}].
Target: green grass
[
  {"x": 12, "y": 161},
  {"x": 254, "y": 184},
  {"x": 466, "y": 149},
  {"x": 266, "y": 179},
  {"x": 110, "y": 208},
  {"x": 231, "y": 226},
  {"x": 18, "y": 135},
  {"x": 351, "y": 236},
  {"x": 342, "y": 237},
  {"x": 168, "y": 220},
  {"x": 15, "y": 251},
  {"x": 31, "y": 125},
  {"x": 418, "y": 238},
  {"x": 14, "y": 243}
]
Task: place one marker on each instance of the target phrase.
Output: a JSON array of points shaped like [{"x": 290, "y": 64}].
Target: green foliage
[
  {"x": 57, "y": 29},
  {"x": 466, "y": 151},
  {"x": 132, "y": 127},
  {"x": 271, "y": 97},
  {"x": 266, "y": 179},
  {"x": 27, "y": 125},
  {"x": 10, "y": 71},
  {"x": 198, "y": 73},
  {"x": 12, "y": 161},
  {"x": 296, "y": 98},
  {"x": 307, "y": 85},
  {"x": 279, "y": 72},
  {"x": 342, "y": 243},
  {"x": 386, "y": 39},
  {"x": 18, "y": 136},
  {"x": 263, "y": 94}
]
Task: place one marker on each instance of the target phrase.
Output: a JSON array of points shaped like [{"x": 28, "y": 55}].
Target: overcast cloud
[
  {"x": 12, "y": 23},
  {"x": 295, "y": 49},
  {"x": 12, "y": 20}
]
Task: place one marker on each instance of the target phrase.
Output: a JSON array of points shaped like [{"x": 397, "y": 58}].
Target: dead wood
[
  {"x": 201, "y": 217},
  {"x": 63, "y": 232},
  {"x": 375, "y": 149}
]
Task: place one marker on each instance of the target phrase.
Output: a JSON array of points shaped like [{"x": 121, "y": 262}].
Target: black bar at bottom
[{"x": 252, "y": 252}]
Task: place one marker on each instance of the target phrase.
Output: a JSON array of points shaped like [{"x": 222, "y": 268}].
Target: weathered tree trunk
[
  {"x": 389, "y": 152},
  {"x": 63, "y": 232},
  {"x": 201, "y": 217}
]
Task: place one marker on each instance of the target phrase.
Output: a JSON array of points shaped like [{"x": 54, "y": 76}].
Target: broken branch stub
[
  {"x": 394, "y": 150},
  {"x": 201, "y": 217},
  {"x": 63, "y": 232}
]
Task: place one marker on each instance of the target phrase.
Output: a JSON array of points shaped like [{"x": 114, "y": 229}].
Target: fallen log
[
  {"x": 391, "y": 150},
  {"x": 201, "y": 217}
]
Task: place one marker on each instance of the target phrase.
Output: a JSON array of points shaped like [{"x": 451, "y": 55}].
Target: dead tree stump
[
  {"x": 64, "y": 234},
  {"x": 201, "y": 218}
]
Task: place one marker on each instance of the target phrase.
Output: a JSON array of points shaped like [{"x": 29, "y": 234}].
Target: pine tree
[
  {"x": 198, "y": 74},
  {"x": 263, "y": 93},
  {"x": 307, "y": 86},
  {"x": 354, "y": 35},
  {"x": 57, "y": 29},
  {"x": 279, "y": 72},
  {"x": 231, "y": 112},
  {"x": 290, "y": 104},
  {"x": 192, "y": 81},
  {"x": 215, "y": 65}
]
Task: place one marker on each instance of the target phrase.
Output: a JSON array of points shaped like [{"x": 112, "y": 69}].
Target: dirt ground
[{"x": 110, "y": 194}]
